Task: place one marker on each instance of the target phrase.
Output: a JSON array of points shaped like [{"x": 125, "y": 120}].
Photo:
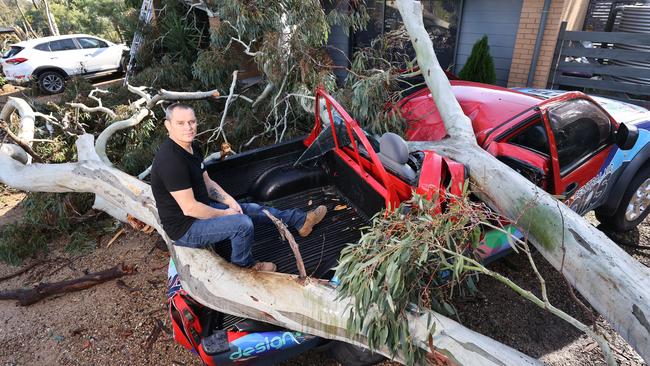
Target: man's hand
[
  {"x": 233, "y": 204},
  {"x": 229, "y": 211}
]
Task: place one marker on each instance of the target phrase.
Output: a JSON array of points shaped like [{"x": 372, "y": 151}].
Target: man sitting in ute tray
[{"x": 195, "y": 211}]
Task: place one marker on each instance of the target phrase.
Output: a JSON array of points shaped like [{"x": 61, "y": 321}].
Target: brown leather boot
[
  {"x": 313, "y": 217},
  {"x": 264, "y": 267}
]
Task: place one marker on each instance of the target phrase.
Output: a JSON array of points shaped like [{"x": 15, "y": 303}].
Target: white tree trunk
[
  {"x": 25, "y": 132},
  {"x": 51, "y": 21},
  {"x": 614, "y": 283}
]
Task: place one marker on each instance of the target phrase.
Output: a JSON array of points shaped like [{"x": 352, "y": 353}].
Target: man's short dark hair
[{"x": 170, "y": 108}]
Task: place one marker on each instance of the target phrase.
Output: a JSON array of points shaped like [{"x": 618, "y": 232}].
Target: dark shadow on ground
[{"x": 500, "y": 314}]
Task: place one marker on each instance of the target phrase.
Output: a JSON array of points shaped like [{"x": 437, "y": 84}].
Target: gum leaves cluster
[{"x": 420, "y": 256}]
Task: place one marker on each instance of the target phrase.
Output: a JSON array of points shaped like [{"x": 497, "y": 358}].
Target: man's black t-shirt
[{"x": 175, "y": 169}]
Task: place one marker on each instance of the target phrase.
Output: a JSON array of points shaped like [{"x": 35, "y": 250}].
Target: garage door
[{"x": 499, "y": 20}]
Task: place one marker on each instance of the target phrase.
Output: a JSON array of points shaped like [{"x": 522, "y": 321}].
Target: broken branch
[
  {"x": 286, "y": 234},
  {"x": 18, "y": 141},
  {"x": 27, "y": 297}
]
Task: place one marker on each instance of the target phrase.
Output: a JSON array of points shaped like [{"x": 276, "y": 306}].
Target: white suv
[{"x": 50, "y": 60}]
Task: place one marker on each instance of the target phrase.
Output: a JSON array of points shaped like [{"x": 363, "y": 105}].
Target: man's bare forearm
[
  {"x": 216, "y": 195},
  {"x": 202, "y": 211},
  {"x": 215, "y": 192}
]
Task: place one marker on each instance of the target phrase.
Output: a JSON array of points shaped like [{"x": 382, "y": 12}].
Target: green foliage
[
  {"x": 480, "y": 65},
  {"x": 46, "y": 217},
  {"x": 133, "y": 149},
  {"x": 9, "y": 15},
  {"x": 76, "y": 88},
  {"x": 55, "y": 211},
  {"x": 419, "y": 255},
  {"x": 2, "y": 80},
  {"x": 376, "y": 82},
  {"x": 80, "y": 243},
  {"x": 20, "y": 241},
  {"x": 287, "y": 37},
  {"x": 183, "y": 34},
  {"x": 166, "y": 73}
]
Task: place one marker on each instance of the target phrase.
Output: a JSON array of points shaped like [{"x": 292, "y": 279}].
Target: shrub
[{"x": 480, "y": 65}]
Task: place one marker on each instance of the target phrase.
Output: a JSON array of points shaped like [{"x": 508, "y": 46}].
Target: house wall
[
  {"x": 560, "y": 10},
  {"x": 499, "y": 20}
]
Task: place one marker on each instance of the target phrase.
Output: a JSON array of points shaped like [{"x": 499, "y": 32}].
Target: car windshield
[{"x": 12, "y": 51}]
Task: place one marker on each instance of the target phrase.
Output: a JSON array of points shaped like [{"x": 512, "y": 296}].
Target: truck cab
[{"x": 569, "y": 144}]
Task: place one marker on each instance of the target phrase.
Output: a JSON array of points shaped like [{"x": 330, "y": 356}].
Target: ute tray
[{"x": 320, "y": 250}]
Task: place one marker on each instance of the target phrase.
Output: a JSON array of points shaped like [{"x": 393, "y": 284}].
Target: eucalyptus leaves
[
  {"x": 414, "y": 257},
  {"x": 419, "y": 257}
]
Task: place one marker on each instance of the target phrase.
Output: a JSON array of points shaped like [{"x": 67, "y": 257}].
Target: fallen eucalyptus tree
[{"x": 311, "y": 306}]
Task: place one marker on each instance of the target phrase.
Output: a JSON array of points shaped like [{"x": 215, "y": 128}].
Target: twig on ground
[
  {"x": 153, "y": 336},
  {"x": 67, "y": 263},
  {"x": 21, "y": 271},
  {"x": 114, "y": 238}
]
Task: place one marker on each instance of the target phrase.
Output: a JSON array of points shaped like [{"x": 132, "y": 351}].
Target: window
[
  {"x": 442, "y": 21},
  {"x": 86, "y": 42},
  {"x": 63, "y": 45},
  {"x": 534, "y": 137},
  {"x": 13, "y": 51},
  {"x": 580, "y": 129},
  {"x": 43, "y": 47}
]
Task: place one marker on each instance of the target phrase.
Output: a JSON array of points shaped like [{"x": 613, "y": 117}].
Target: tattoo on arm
[{"x": 215, "y": 195}]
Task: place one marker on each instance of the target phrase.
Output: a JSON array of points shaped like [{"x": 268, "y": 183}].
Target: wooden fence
[{"x": 580, "y": 75}]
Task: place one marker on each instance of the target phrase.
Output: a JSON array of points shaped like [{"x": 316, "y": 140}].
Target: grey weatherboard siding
[{"x": 499, "y": 20}]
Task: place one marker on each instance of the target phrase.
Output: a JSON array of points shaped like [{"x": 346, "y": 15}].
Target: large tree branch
[
  {"x": 100, "y": 107},
  {"x": 25, "y": 131},
  {"x": 614, "y": 283},
  {"x": 25, "y": 145},
  {"x": 143, "y": 111}
]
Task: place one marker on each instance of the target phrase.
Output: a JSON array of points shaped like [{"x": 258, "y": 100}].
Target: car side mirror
[{"x": 626, "y": 136}]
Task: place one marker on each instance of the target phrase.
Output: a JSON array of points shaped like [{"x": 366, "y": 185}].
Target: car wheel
[
  {"x": 634, "y": 205},
  {"x": 51, "y": 82},
  {"x": 123, "y": 65},
  {"x": 350, "y": 355}
]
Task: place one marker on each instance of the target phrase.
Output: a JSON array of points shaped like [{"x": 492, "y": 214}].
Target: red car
[{"x": 592, "y": 152}]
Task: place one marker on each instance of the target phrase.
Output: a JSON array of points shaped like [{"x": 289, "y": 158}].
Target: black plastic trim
[
  {"x": 615, "y": 194},
  {"x": 43, "y": 69}
]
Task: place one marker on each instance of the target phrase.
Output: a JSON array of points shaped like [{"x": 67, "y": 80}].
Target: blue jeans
[{"x": 238, "y": 228}]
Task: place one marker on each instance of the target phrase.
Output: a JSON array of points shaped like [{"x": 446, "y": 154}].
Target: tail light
[{"x": 16, "y": 61}]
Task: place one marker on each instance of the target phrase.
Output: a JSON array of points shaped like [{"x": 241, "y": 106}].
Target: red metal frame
[
  {"x": 434, "y": 174},
  {"x": 495, "y": 111},
  {"x": 377, "y": 176}
]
